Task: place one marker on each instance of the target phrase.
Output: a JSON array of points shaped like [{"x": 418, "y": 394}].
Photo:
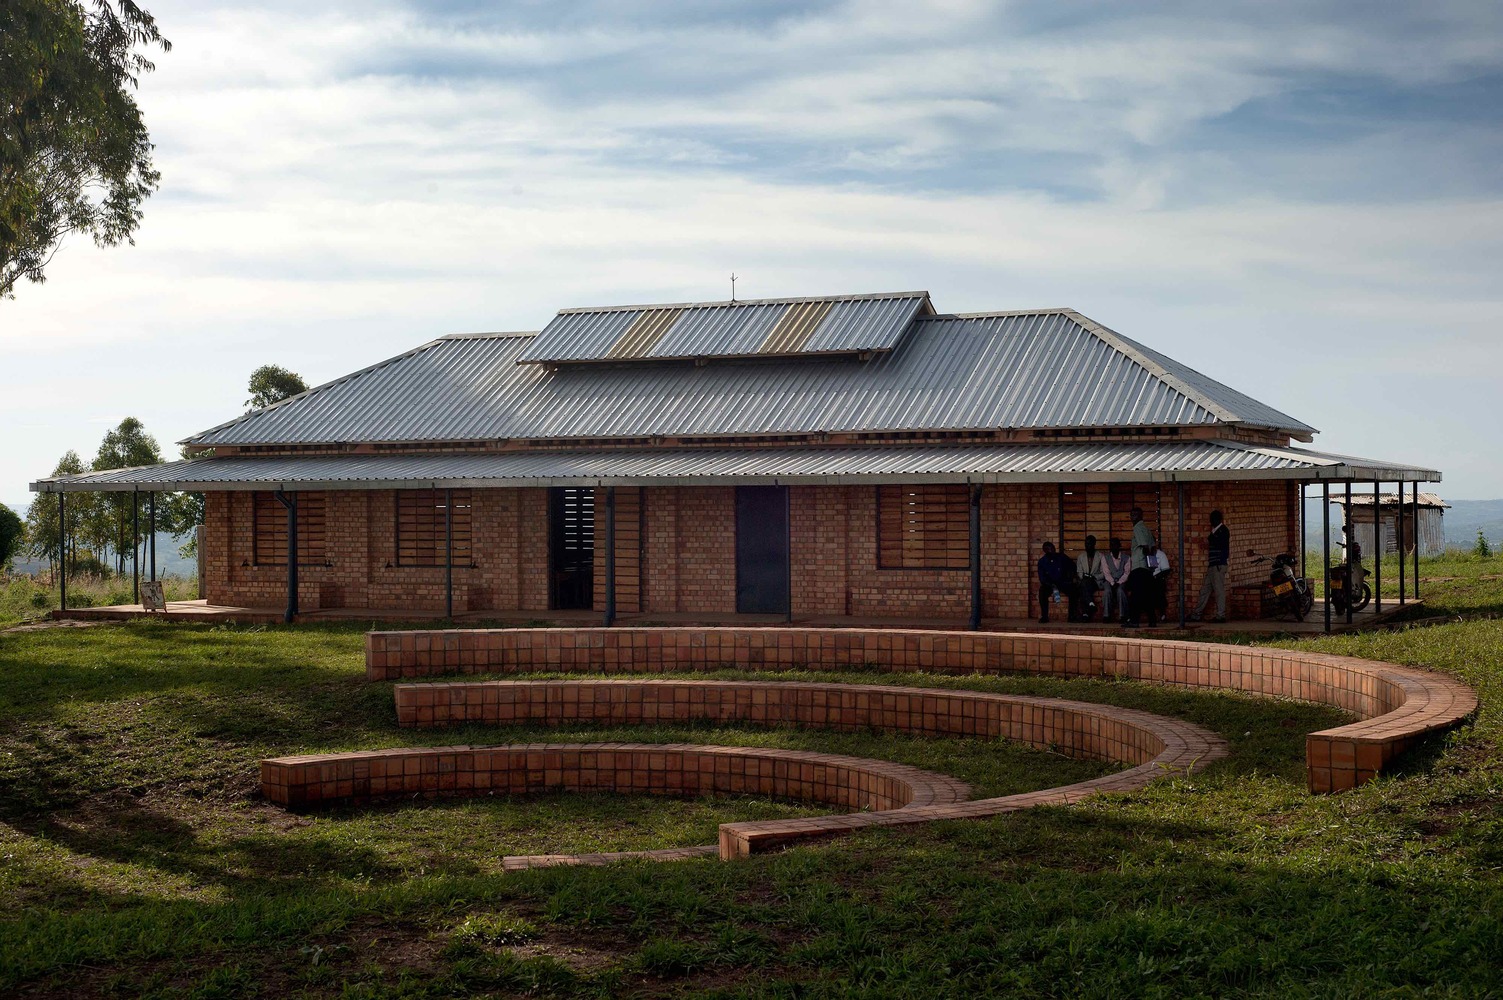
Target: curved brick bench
[
  {"x": 652, "y": 768},
  {"x": 1397, "y": 706},
  {"x": 1154, "y": 744}
]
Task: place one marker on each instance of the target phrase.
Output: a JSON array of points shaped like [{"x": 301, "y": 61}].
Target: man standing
[
  {"x": 1055, "y": 572},
  {"x": 1218, "y": 555},
  {"x": 1140, "y": 579}
]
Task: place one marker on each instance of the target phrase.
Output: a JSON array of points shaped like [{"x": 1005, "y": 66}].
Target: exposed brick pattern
[
  {"x": 1397, "y": 706},
  {"x": 891, "y": 794},
  {"x": 687, "y": 552},
  {"x": 638, "y": 768},
  {"x": 1077, "y": 729}
]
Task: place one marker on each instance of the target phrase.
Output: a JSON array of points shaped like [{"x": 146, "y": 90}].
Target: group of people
[{"x": 1132, "y": 583}]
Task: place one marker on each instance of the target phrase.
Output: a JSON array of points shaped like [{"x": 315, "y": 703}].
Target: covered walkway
[{"x": 202, "y": 611}]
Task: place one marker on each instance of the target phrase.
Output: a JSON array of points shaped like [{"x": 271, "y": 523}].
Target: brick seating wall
[
  {"x": 665, "y": 769},
  {"x": 1397, "y": 706},
  {"x": 1097, "y": 732}
]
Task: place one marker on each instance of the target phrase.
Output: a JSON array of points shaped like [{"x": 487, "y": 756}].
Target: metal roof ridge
[
  {"x": 999, "y": 313},
  {"x": 317, "y": 388},
  {"x": 1122, "y": 344},
  {"x": 498, "y": 335},
  {"x": 782, "y": 300}
]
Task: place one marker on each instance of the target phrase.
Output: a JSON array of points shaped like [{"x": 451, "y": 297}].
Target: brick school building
[{"x": 855, "y": 455}]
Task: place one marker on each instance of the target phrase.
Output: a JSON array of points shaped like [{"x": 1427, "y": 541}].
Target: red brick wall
[
  {"x": 689, "y": 544},
  {"x": 706, "y": 549}
]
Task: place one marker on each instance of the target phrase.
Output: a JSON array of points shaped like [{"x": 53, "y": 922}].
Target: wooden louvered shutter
[
  {"x": 923, "y": 527},
  {"x": 269, "y": 528},
  {"x": 422, "y": 528},
  {"x": 1104, "y": 510},
  {"x": 629, "y": 535}
]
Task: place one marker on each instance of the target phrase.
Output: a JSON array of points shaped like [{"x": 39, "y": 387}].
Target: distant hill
[
  {"x": 169, "y": 563},
  {"x": 1466, "y": 516}
]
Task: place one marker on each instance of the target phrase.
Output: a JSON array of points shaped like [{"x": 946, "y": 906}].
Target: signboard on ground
[{"x": 152, "y": 596}]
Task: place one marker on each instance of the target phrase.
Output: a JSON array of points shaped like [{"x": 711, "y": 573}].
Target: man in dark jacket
[
  {"x": 1218, "y": 556},
  {"x": 1056, "y": 576}
]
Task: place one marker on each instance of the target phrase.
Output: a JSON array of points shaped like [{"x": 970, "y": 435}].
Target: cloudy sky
[{"x": 1301, "y": 199}]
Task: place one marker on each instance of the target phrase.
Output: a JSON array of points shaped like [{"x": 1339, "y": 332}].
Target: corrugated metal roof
[
  {"x": 1180, "y": 460},
  {"x": 1049, "y": 369},
  {"x": 754, "y": 328},
  {"x": 1391, "y": 500}
]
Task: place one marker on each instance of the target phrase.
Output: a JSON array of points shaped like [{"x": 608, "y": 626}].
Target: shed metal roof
[
  {"x": 1142, "y": 462},
  {"x": 1042, "y": 369},
  {"x": 1392, "y": 500},
  {"x": 753, "y": 328}
]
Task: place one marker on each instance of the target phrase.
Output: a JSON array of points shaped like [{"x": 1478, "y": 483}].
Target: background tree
[
  {"x": 74, "y": 153},
  {"x": 12, "y": 532},
  {"x": 272, "y": 384},
  {"x": 179, "y": 514},
  {"x": 124, "y": 447},
  {"x": 43, "y": 532}
]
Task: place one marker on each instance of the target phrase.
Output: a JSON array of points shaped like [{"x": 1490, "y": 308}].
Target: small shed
[{"x": 1428, "y": 527}]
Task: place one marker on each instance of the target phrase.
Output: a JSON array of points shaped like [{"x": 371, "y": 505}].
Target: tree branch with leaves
[{"x": 75, "y": 155}]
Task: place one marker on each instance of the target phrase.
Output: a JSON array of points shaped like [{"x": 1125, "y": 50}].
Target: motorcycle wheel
[
  {"x": 1306, "y": 602},
  {"x": 1364, "y": 597}
]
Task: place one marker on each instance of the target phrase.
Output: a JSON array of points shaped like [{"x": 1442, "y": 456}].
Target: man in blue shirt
[{"x": 1056, "y": 576}]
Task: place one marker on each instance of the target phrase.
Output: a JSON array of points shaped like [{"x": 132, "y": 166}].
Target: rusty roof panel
[{"x": 849, "y": 324}]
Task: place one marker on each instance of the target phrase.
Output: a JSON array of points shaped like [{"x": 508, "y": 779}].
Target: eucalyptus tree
[{"x": 75, "y": 155}]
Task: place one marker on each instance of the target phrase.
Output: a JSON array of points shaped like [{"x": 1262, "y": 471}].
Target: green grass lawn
[{"x": 137, "y": 860}]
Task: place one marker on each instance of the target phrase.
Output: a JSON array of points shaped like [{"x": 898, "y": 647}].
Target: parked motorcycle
[
  {"x": 1343, "y": 590},
  {"x": 1291, "y": 590}
]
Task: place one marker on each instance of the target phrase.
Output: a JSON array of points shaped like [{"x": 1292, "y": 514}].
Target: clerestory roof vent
[{"x": 760, "y": 328}]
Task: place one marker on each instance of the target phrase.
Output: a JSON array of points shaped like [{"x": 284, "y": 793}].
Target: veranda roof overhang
[{"x": 1171, "y": 461}]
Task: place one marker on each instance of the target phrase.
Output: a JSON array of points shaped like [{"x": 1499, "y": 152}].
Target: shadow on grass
[{"x": 1053, "y": 902}]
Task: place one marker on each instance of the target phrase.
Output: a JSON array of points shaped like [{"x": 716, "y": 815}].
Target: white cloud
[{"x": 323, "y": 220}]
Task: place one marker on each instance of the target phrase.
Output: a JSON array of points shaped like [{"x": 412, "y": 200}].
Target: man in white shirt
[
  {"x": 1090, "y": 572},
  {"x": 1114, "y": 598}
]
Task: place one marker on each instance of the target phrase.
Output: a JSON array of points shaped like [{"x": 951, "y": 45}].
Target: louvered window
[
  {"x": 269, "y": 519},
  {"x": 923, "y": 527},
  {"x": 422, "y": 528},
  {"x": 1104, "y": 510}
]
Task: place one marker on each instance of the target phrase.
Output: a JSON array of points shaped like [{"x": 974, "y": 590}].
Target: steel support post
[
  {"x": 1179, "y": 502},
  {"x": 449, "y": 554},
  {"x": 1303, "y": 530},
  {"x": 151, "y": 527},
  {"x": 1351, "y": 542},
  {"x": 1325, "y": 548},
  {"x": 610, "y": 556},
  {"x": 1377, "y": 549},
  {"x": 289, "y": 501},
  {"x": 62, "y": 552},
  {"x": 1417, "y": 538},
  {"x": 1402, "y": 558},
  {"x": 135, "y": 546},
  {"x": 788, "y": 546},
  {"x": 975, "y": 529}
]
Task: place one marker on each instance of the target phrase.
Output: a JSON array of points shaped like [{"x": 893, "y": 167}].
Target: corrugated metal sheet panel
[
  {"x": 1027, "y": 370},
  {"x": 1021, "y": 463},
  {"x": 1217, "y": 397},
  {"x": 1391, "y": 500},
  {"x": 740, "y": 329}
]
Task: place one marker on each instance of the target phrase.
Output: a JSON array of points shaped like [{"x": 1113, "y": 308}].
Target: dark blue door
[{"x": 762, "y": 549}]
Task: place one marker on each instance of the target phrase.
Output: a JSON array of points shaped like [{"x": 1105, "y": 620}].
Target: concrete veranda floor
[{"x": 203, "y": 611}]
